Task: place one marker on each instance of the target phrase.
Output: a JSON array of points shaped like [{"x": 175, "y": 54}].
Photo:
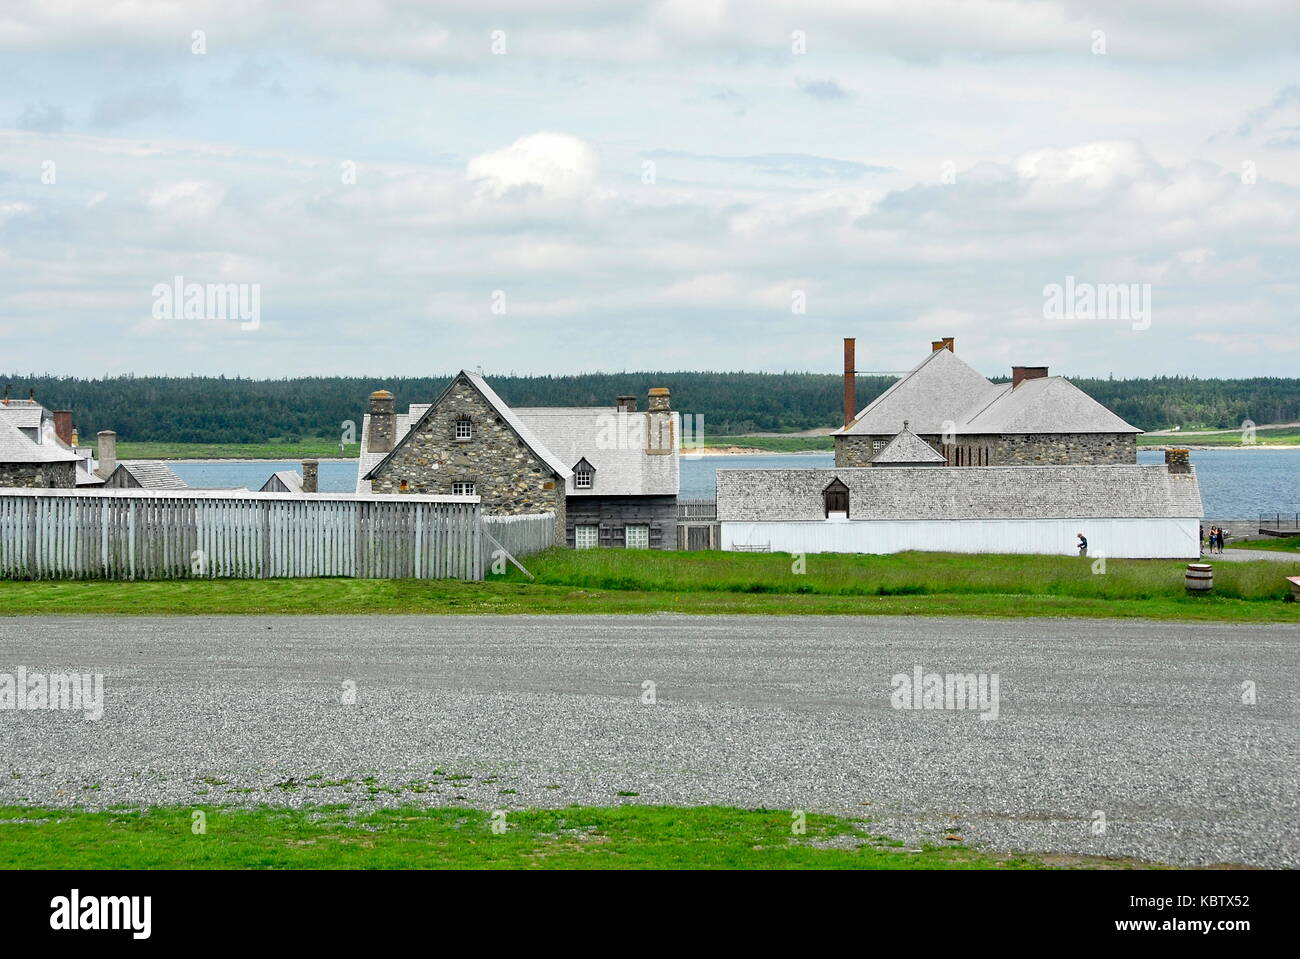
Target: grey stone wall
[
  {"x": 509, "y": 478},
  {"x": 1012, "y": 449},
  {"x": 1057, "y": 449},
  {"x": 613, "y": 513},
  {"x": 39, "y": 475}
]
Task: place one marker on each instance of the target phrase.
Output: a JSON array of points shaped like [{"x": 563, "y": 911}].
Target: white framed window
[
  {"x": 464, "y": 429},
  {"x": 583, "y": 477},
  {"x": 586, "y": 537},
  {"x": 636, "y": 537},
  {"x": 877, "y": 445},
  {"x": 463, "y": 489}
]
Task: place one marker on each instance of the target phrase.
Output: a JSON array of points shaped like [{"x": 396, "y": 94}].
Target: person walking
[{"x": 1083, "y": 545}]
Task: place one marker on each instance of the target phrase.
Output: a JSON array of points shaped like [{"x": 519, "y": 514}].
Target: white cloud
[{"x": 558, "y": 164}]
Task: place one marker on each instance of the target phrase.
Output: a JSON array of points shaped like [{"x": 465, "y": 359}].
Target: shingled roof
[
  {"x": 151, "y": 474},
  {"x": 17, "y": 448},
  {"x": 969, "y": 492},
  {"x": 943, "y": 393},
  {"x": 613, "y": 442},
  {"x": 907, "y": 448}
]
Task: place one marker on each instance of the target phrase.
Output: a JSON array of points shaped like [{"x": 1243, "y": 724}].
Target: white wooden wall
[
  {"x": 1116, "y": 538},
  {"x": 147, "y": 534}
]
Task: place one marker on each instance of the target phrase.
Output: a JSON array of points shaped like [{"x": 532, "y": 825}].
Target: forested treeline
[{"x": 226, "y": 410}]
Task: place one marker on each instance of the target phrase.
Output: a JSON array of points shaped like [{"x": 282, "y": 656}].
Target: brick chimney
[
  {"x": 1021, "y": 373},
  {"x": 311, "y": 471},
  {"x": 659, "y": 400},
  {"x": 63, "y": 426},
  {"x": 1178, "y": 460},
  {"x": 106, "y": 450},
  {"x": 383, "y": 422},
  {"x": 626, "y": 403},
  {"x": 947, "y": 343},
  {"x": 850, "y": 379}
]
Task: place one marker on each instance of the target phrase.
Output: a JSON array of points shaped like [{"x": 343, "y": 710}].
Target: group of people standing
[{"x": 1213, "y": 539}]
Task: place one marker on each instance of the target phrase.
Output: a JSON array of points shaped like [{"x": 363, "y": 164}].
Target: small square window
[
  {"x": 637, "y": 537},
  {"x": 586, "y": 537},
  {"x": 464, "y": 429},
  {"x": 877, "y": 445},
  {"x": 463, "y": 489},
  {"x": 583, "y": 477}
]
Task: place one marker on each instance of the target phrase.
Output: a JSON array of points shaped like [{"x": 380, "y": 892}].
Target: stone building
[
  {"x": 38, "y": 448},
  {"x": 1034, "y": 420},
  {"x": 610, "y": 474}
]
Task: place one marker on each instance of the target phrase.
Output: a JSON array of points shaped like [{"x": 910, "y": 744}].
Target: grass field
[
  {"x": 319, "y": 448},
  {"x": 1283, "y": 544},
  {"x": 771, "y": 444},
  {"x": 622, "y": 837},
  {"x": 1282, "y": 436},
  {"x": 643, "y": 581}
]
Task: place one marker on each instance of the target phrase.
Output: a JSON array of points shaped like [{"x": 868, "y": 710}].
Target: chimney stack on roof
[
  {"x": 63, "y": 426},
  {"x": 1178, "y": 460},
  {"x": 659, "y": 400},
  {"x": 310, "y": 474},
  {"x": 1021, "y": 373},
  {"x": 106, "y": 453},
  {"x": 626, "y": 403},
  {"x": 850, "y": 379},
  {"x": 383, "y": 423}
]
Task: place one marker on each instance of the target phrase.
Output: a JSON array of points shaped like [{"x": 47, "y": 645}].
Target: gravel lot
[{"x": 1143, "y": 722}]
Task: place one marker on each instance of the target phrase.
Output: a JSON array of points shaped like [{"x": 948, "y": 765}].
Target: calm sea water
[{"x": 1235, "y": 484}]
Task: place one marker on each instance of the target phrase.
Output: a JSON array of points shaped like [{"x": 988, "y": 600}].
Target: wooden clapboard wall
[{"x": 150, "y": 534}]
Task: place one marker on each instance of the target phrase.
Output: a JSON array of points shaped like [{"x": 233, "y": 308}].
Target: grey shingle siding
[{"x": 977, "y": 492}]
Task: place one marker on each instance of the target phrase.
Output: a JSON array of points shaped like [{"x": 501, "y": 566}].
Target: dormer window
[
  {"x": 836, "y": 498},
  {"x": 464, "y": 429},
  {"x": 584, "y": 475}
]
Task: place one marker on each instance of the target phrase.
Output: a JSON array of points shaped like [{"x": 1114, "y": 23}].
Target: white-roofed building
[
  {"x": 38, "y": 447},
  {"x": 610, "y": 474}
]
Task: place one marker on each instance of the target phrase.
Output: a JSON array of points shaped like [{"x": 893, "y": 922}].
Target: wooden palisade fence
[{"x": 150, "y": 534}]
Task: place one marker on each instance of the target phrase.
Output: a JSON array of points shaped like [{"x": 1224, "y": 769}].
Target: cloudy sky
[{"x": 575, "y": 185}]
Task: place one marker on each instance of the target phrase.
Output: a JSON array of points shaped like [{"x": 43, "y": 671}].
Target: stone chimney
[
  {"x": 63, "y": 426},
  {"x": 1178, "y": 460},
  {"x": 626, "y": 404},
  {"x": 660, "y": 400},
  {"x": 383, "y": 423},
  {"x": 107, "y": 453},
  {"x": 311, "y": 471},
  {"x": 1021, "y": 373}
]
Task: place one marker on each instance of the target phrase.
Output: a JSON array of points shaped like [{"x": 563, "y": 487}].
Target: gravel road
[{"x": 1142, "y": 723}]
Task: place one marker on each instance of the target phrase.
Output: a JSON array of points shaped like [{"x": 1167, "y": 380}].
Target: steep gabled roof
[
  {"x": 152, "y": 474},
  {"x": 907, "y": 447},
  {"x": 291, "y": 480},
  {"x": 942, "y": 391},
  {"x": 15, "y": 447},
  {"x": 613, "y": 442},
  {"x": 498, "y": 406},
  {"x": 938, "y": 390},
  {"x": 1048, "y": 404}
]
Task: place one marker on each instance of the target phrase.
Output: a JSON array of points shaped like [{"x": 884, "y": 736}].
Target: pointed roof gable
[
  {"x": 1049, "y": 404},
  {"x": 907, "y": 447},
  {"x": 499, "y": 407},
  {"x": 938, "y": 390}
]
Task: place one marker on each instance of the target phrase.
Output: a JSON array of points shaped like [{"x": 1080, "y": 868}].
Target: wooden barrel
[{"x": 1199, "y": 578}]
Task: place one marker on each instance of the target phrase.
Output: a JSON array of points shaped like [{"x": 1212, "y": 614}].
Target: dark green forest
[{"x": 226, "y": 410}]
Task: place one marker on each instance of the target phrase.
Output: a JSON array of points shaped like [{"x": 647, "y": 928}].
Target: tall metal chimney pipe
[{"x": 850, "y": 380}]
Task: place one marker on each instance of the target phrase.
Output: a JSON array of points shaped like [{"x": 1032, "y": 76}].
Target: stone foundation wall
[
  {"x": 509, "y": 478},
  {"x": 39, "y": 475}
]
